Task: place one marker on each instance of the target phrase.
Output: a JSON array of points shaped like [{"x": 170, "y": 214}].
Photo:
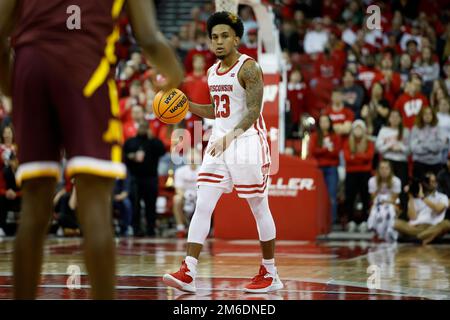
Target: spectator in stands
[
  {"x": 122, "y": 203},
  {"x": 250, "y": 48},
  {"x": 325, "y": 146},
  {"x": 358, "y": 154},
  {"x": 129, "y": 100},
  {"x": 353, "y": 12},
  {"x": 375, "y": 112},
  {"x": 185, "y": 43},
  {"x": 195, "y": 24},
  {"x": 130, "y": 128},
  {"x": 412, "y": 49},
  {"x": 176, "y": 45},
  {"x": 443, "y": 178},
  {"x": 393, "y": 145},
  {"x": 328, "y": 65},
  {"x": 438, "y": 92},
  {"x": 446, "y": 69},
  {"x": 384, "y": 189},
  {"x": 141, "y": 156},
  {"x": 410, "y": 103},
  {"x": 201, "y": 47},
  {"x": 411, "y": 37},
  {"x": 296, "y": 94},
  {"x": 443, "y": 115},
  {"x": 5, "y": 111},
  {"x": 428, "y": 69},
  {"x": 389, "y": 79},
  {"x": 353, "y": 94},
  {"x": 289, "y": 37},
  {"x": 9, "y": 192},
  {"x": 246, "y": 15},
  {"x": 315, "y": 38},
  {"x": 207, "y": 11},
  {"x": 426, "y": 212},
  {"x": 367, "y": 72},
  {"x": 185, "y": 180},
  {"x": 341, "y": 116},
  {"x": 427, "y": 143},
  {"x": 195, "y": 86},
  {"x": 405, "y": 68},
  {"x": 65, "y": 203}
]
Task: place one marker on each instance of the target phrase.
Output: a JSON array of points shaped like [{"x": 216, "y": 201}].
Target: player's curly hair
[{"x": 228, "y": 18}]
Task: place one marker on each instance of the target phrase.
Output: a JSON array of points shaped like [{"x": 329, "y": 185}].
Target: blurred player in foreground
[{"x": 64, "y": 96}]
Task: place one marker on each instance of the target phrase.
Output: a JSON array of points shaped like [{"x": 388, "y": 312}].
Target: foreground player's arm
[
  {"x": 202, "y": 110},
  {"x": 251, "y": 76},
  {"x": 6, "y": 23},
  {"x": 154, "y": 45}
]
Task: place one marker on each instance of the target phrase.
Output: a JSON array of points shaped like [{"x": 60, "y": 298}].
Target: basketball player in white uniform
[{"x": 237, "y": 155}]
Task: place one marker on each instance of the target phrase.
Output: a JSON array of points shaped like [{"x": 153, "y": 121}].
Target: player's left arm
[
  {"x": 7, "y": 8},
  {"x": 251, "y": 77}
]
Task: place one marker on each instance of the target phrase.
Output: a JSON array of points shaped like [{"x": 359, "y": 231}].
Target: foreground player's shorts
[
  {"x": 244, "y": 165},
  {"x": 50, "y": 114}
]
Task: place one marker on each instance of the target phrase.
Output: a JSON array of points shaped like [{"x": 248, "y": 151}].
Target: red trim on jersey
[
  {"x": 231, "y": 68},
  {"x": 208, "y": 180},
  {"x": 205, "y": 174}
]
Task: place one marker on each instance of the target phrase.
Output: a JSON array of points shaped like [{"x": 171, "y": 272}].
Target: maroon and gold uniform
[{"x": 64, "y": 94}]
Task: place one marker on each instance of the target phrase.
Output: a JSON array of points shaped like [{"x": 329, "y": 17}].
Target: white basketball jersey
[{"x": 230, "y": 100}]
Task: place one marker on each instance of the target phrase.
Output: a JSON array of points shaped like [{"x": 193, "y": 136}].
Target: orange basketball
[{"x": 170, "y": 106}]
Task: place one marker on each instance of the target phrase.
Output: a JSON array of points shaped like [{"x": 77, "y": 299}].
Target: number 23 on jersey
[{"x": 222, "y": 104}]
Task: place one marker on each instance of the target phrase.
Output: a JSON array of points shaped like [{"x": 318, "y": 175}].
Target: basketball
[{"x": 170, "y": 106}]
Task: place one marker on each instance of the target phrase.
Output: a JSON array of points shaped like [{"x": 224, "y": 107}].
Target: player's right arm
[
  {"x": 202, "y": 110},
  {"x": 6, "y": 24},
  {"x": 156, "y": 48}
]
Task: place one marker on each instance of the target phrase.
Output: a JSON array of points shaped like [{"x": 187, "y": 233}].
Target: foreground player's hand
[{"x": 219, "y": 146}]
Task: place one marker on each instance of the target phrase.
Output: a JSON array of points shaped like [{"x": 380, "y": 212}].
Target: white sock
[
  {"x": 269, "y": 264},
  {"x": 191, "y": 262},
  {"x": 181, "y": 227}
]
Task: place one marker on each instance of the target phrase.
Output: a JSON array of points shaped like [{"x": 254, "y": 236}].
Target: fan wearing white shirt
[
  {"x": 426, "y": 211},
  {"x": 384, "y": 189}
]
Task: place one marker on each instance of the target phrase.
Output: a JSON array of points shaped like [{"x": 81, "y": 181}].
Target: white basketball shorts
[{"x": 244, "y": 166}]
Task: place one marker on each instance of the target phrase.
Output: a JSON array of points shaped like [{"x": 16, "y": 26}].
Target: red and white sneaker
[
  {"x": 264, "y": 282},
  {"x": 182, "y": 280}
]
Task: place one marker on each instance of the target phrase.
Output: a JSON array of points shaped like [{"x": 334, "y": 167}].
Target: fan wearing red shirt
[
  {"x": 201, "y": 47},
  {"x": 250, "y": 48},
  {"x": 296, "y": 94},
  {"x": 367, "y": 73},
  {"x": 328, "y": 65},
  {"x": 390, "y": 80},
  {"x": 341, "y": 116},
  {"x": 195, "y": 86},
  {"x": 358, "y": 153},
  {"x": 325, "y": 146},
  {"x": 410, "y": 103}
]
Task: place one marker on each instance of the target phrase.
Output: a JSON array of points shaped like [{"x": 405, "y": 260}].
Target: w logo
[{"x": 270, "y": 93}]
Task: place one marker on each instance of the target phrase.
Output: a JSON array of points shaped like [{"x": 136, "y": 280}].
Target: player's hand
[
  {"x": 140, "y": 155},
  {"x": 219, "y": 146},
  {"x": 167, "y": 82}
]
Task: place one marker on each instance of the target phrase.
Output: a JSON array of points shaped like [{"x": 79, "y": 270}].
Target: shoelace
[
  {"x": 260, "y": 275},
  {"x": 183, "y": 270}
]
